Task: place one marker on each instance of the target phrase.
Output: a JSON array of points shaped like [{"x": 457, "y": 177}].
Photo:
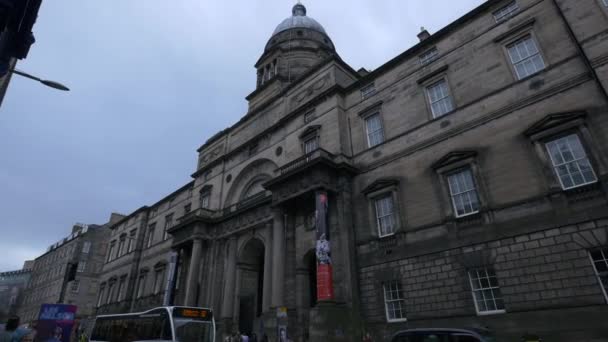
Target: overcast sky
[{"x": 151, "y": 80}]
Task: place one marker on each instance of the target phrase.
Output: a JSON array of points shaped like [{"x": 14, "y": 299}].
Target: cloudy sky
[{"x": 151, "y": 80}]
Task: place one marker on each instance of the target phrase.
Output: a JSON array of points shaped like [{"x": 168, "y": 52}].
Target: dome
[{"x": 299, "y": 20}]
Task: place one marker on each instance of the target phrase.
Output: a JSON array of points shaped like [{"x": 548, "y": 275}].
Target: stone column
[
  {"x": 278, "y": 257},
  {"x": 267, "y": 290},
  {"x": 192, "y": 284},
  {"x": 229, "y": 277}
]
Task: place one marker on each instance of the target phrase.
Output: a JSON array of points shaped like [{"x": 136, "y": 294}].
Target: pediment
[
  {"x": 454, "y": 157},
  {"x": 553, "y": 120},
  {"x": 380, "y": 184},
  {"x": 310, "y": 130}
]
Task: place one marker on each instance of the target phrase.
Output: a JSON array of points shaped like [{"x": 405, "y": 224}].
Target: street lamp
[{"x": 52, "y": 84}]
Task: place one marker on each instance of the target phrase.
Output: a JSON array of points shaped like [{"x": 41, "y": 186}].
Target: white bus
[{"x": 170, "y": 323}]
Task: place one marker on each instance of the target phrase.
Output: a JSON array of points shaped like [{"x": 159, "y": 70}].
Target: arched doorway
[{"x": 251, "y": 285}]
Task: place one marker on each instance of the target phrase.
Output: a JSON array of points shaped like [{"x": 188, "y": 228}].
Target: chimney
[
  {"x": 76, "y": 228},
  {"x": 424, "y": 34}
]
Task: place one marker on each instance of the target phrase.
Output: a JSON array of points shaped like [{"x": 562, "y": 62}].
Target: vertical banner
[
  {"x": 170, "y": 278},
  {"x": 325, "y": 287},
  {"x": 55, "y": 322}
]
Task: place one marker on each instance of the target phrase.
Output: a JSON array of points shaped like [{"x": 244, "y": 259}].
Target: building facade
[
  {"x": 68, "y": 272},
  {"x": 461, "y": 184},
  {"x": 12, "y": 284}
]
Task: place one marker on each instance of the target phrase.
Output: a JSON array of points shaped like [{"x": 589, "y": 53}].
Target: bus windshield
[
  {"x": 193, "y": 324},
  {"x": 188, "y": 330}
]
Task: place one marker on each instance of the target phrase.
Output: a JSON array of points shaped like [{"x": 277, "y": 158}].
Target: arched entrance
[{"x": 251, "y": 270}]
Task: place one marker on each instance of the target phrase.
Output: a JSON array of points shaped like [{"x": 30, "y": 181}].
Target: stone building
[
  {"x": 464, "y": 181},
  {"x": 68, "y": 272},
  {"x": 12, "y": 284}
]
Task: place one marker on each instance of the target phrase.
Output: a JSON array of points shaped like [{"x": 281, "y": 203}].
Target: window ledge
[
  {"x": 399, "y": 320},
  {"x": 386, "y": 237},
  {"x": 494, "y": 312}
]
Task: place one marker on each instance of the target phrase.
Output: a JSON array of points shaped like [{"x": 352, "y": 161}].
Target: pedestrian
[
  {"x": 12, "y": 332},
  {"x": 244, "y": 337},
  {"x": 367, "y": 337}
]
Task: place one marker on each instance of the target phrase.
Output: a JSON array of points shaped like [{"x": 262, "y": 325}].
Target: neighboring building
[
  {"x": 68, "y": 272},
  {"x": 136, "y": 264},
  {"x": 465, "y": 180},
  {"x": 12, "y": 284}
]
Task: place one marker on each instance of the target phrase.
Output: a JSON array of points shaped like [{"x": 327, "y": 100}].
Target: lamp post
[{"x": 52, "y": 84}]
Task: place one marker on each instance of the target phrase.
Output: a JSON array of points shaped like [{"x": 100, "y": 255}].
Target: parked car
[{"x": 443, "y": 335}]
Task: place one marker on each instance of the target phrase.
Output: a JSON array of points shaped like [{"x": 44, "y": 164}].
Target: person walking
[{"x": 12, "y": 332}]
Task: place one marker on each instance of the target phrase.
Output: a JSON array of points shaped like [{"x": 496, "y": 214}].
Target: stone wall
[{"x": 548, "y": 270}]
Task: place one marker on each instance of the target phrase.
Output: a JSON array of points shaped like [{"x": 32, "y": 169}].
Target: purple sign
[{"x": 55, "y": 322}]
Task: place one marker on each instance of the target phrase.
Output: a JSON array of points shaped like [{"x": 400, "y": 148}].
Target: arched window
[{"x": 254, "y": 189}]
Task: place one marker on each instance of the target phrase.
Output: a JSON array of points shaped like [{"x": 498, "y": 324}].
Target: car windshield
[{"x": 188, "y": 330}]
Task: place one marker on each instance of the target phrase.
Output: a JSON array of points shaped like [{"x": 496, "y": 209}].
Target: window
[
  {"x": 311, "y": 145},
  {"x": 368, "y": 91},
  {"x": 121, "y": 288},
  {"x": 153, "y": 212},
  {"x": 75, "y": 286},
  {"x": 151, "y": 229},
  {"x": 605, "y": 2},
  {"x": 506, "y": 12},
  {"x": 486, "y": 292},
  {"x": 187, "y": 208},
  {"x": 86, "y": 247},
  {"x": 102, "y": 289},
  {"x": 375, "y": 132},
  {"x": 131, "y": 244},
  {"x": 385, "y": 216},
  {"x": 309, "y": 116},
  {"x": 204, "y": 200},
  {"x": 168, "y": 224},
  {"x": 394, "y": 302},
  {"x": 429, "y": 56},
  {"x": 141, "y": 286},
  {"x": 171, "y": 202},
  {"x": 82, "y": 265},
  {"x": 439, "y": 98},
  {"x": 599, "y": 257},
  {"x": 190, "y": 192},
  {"x": 158, "y": 281},
  {"x": 111, "y": 288},
  {"x": 463, "y": 193},
  {"x": 570, "y": 162},
  {"x": 111, "y": 251},
  {"x": 121, "y": 245},
  {"x": 525, "y": 57}
]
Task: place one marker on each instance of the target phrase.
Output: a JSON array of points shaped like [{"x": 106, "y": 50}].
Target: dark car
[{"x": 443, "y": 335}]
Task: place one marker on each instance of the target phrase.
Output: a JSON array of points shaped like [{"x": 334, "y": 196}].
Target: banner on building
[
  {"x": 55, "y": 322},
  {"x": 170, "y": 285},
  {"x": 325, "y": 288}
]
